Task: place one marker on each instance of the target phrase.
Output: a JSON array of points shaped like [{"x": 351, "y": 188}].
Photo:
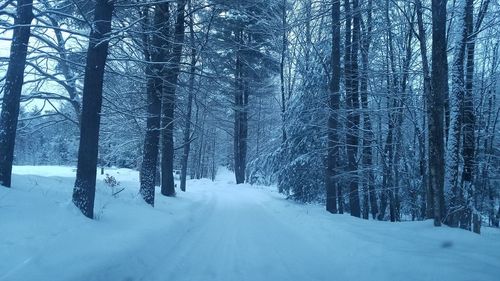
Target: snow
[{"x": 218, "y": 231}]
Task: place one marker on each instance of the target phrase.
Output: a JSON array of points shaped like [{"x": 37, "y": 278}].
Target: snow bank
[{"x": 218, "y": 231}]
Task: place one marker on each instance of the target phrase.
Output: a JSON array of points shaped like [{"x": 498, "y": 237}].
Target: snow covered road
[
  {"x": 234, "y": 236},
  {"x": 220, "y": 231}
]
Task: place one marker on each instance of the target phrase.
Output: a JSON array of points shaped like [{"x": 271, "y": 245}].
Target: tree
[
  {"x": 422, "y": 38},
  {"x": 168, "y": 103},
  {"x": 352, "y": 102},
  {"x": 369, "y": 193},
  {"x": 455, "y": 130},
  {"x": 300, "y": 162},
  {"x": 241, "y": 94},
  {"x": 333, "y": 106},
  {"x": 187, "y": 124},
  {"x": 247, "y": 60},
  {"x": 154, "y": 54},
  {"x": 469, "y": 119},
  {"x": 12, "y": 89},
  {"x": 436, "y": 108},
  {"x": 84, "y": 190},
  {"x": 263, "y": 88},
  {"x": 461, "y": 144}
]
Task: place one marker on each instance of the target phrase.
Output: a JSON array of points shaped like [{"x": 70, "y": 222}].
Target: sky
[{"x": 48, "y": 86}]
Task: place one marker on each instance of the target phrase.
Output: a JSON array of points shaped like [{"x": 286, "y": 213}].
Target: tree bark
[
  {"x": 334, "y": 106},
  {"x": 240, "y": 115},
  {"x": 84, "y": 190},
  {"x": 14, "y": 80},
  {"x": 368, "y": 136},
  {"x": 429, "y": 192},
  {"x": 469, "y": 118},
  {"x": 352, "y": 96},
  {"x": 187, "y": 124},
  {"x": 282, "y": 71},
  {"x": 436, "y": 114},
  {"x": 455, "y": 130},
  {"x": 201, "y": 139},
  {"x": 347, "y": 78},
  {"x": 168, "y": 104},
  {"x": 398, "y": 155},
  {"x": 388, "y": 178},
  {"x": 154, "y": 88}
]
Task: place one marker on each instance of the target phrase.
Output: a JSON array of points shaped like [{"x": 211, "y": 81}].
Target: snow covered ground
[{"x": 218, "y": 231}]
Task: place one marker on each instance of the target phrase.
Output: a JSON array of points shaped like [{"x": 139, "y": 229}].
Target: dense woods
[{"x": 386, "y": 110}]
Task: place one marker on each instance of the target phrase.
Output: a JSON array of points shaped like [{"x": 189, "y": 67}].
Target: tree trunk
[
  {"x": 187, "y": 124},
  {"x": 469, "y": 118},
  {"x": 334, "y": 106},
  {"x": 168, "y": 105},
  {"x": 240, "y": 116},
  {"x": 12, "y": 89},
  {"x": 388, "y": 180},
  {"x": 368, "y": 136},
  {"x": 213, "y": 171},
  {"x": 352, "y": 96},
  {"x": 153, "y": 54},
  {"x": 84, "y": 190},
  {"x": 429, "y": 192},
  {"x": 201, "y": 142},
  {"x": 282, "y": 71},
  {"x": 455, "y": 130},
  {"x": 398, "y": 153},
  {"x": 347, "y": 77},
  {"x": 436, "y": 114}
]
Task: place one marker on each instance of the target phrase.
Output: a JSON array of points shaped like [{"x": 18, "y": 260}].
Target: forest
[
  {"x": 249, "y": 140},
  {"x": 385, "y": 109}
]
